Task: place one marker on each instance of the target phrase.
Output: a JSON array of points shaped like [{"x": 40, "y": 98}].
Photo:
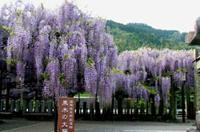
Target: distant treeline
[{"x": 135, "y": 35}]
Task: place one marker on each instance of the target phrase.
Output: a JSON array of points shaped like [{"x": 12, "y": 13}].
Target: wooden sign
[{"x": 66, "y": 106}]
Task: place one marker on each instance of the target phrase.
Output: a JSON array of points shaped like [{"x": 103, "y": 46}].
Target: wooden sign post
[{"x": 66, "y": 106}]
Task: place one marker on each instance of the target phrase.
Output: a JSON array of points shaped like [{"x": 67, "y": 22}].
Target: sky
[{"x": 163, "y": 14}]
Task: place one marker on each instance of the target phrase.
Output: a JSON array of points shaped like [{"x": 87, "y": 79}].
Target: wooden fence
[{"x": 85, "y": 110}]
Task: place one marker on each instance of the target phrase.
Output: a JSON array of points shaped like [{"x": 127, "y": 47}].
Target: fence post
[
  {"x": 91, "y": 111},
  {"x": 42, "y": 106},
  {"x": 1, "y": 105},
  {"x": 24, "y": 106},
  {"x": 84, "y": 109},
  {"x": 37, "y": 105},
  {"x": 12, "y": 107},
  {"x": 77, "y": 109},
  {"x": 17, "y": 105},
  {"x": 30, "y": 106},
  {"x": 49, "y": 106}
]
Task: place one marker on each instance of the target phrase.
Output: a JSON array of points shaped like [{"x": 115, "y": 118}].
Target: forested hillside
[{"x": 135, "y": 35}]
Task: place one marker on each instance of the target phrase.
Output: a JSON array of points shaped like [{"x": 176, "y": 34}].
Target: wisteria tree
[
  {"x": 65, "y": 52},
  {"x": 151, "y": 74},
  {"x": 68, "y": 50}
]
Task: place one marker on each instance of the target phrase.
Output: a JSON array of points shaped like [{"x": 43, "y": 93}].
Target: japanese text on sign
[{"x": 66, "y": 108}]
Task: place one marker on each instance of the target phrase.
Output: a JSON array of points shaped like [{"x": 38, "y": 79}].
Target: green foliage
[
  {"x": 181, "y": 70},
  {"x": 135, "y": 35},
  {"x": 141, "y": 102},
  {"x": 167, "y": 74},
  {"x": 90, "y": 61},
  {"x": 150, "y": 90},
  {"x": 156, "y": 78},
  {"x": 46, "y": 60},
  {"x": 19, "y": 12},
  {"x": 84, "y": 94},
  {"x": 117, "y": 71},
  {"x": 66, "y": 56},
  {"x": 11, "y": 62},
  {"x": 61, "y": 77},
  {"x": 45, "y": 75},
  {"x": 7, "y": 29}
]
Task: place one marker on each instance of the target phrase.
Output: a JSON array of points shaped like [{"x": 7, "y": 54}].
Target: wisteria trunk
[
  {"x": 78, "y": 106},
  {"x": 161, "y": 108},
  {"x": 112, "y": 106},
  {"x": 153, "y": 109},
  {"x": 190, "y": 104},
  {"x": 183, "y": 101},
  {"x": 189, "y": 107},
  {"x": 119, "y": 101},
  {"x": 7, "y": 96},
  {"x": 97, "y": 107},
  {"x": 147, "y": 107},
  {"x": 173, "y": 103},
  {"x": 97, "y": 110},
  {"x": 136, "y": 108}
]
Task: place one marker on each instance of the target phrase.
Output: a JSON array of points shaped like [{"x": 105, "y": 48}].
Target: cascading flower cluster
[
  {"x": 161, "y": 67},
  {"x": 67, "y": 49}
]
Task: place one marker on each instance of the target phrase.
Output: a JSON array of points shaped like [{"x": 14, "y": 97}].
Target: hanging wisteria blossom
[{"x": 66, "y": 49}]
